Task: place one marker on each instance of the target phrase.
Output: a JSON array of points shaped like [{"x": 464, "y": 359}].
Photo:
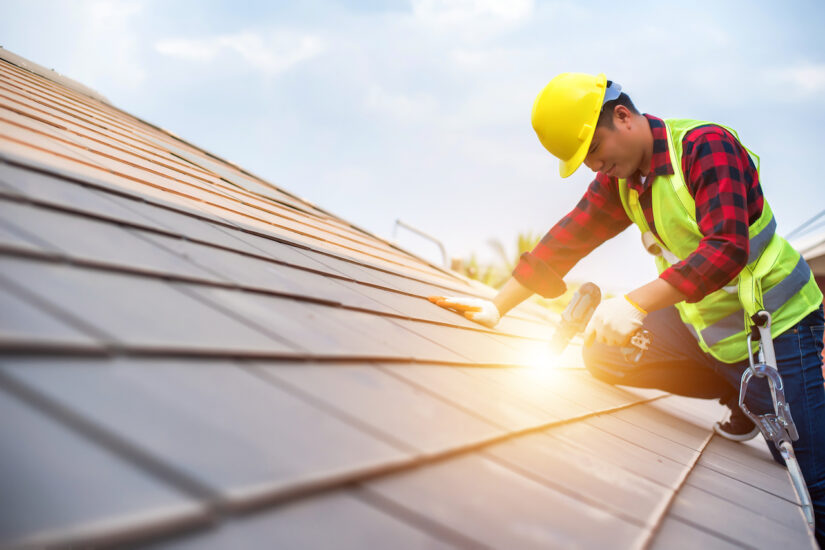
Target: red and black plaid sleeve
[
  {"x": 597, "y": 217},
  {"x": 725, "y": 186}
]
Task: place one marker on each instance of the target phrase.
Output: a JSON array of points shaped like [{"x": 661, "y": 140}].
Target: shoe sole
[{"x": 736, "y": 437}]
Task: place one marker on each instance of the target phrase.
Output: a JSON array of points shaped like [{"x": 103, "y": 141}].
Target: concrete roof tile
[
  {"x": 336, "y": 520},
  {"x": 676, "y": 534},
  {"x": 750, "y": 528},
  {"x": 139, "y": 312},
  {"x": 501, "y": 508},
  {"x": 52, "y": 465},
  {"x": 398, "y": 410},
  {"x": 233, "y": 432},
  {"x": 592, "y": 479},
  {"x": 26, "y": 324},
  {"x": 473, "y": 394}
]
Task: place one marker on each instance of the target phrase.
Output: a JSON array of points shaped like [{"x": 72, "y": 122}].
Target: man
[{"x": 693, "y": 190}]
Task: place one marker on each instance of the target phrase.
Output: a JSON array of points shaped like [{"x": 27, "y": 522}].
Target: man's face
[{"x": 614, "y": 152}]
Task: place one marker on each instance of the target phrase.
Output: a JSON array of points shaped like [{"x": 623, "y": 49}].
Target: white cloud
[
  {"x": 198, "y": 50},
  {"x": 271, "y": 53},
  {"x": 469, "y": 59},
  {"x": 471, "y": 20},
  {"x": 104, "y": 12},
  {"x": 111, "y": 23},
  {"x": 467, "y": 11},
  {"x": 802, "y": 80},
  {"x": 402, "y": 107}
]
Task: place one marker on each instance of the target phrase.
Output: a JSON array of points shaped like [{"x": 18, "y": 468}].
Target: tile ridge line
[
  {"x": 793, "y": 501},
  {"x": 216, "y": 507},
  {"x": 51, "y": 75},
  {"x": 101, "y": 186},
  {"x": 212, "y": 192},
  {"x": 664, "y": 509},
  {"x": 269, "y": 497},
  {"x": 106, "y": 267}
]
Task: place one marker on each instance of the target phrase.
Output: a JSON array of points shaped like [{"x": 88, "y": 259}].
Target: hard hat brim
[{"x": 569, "y": 166}]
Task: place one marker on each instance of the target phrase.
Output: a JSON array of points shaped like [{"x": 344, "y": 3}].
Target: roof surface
[
  {"x": 812, "y": 248},
  {"x": 191, "y": 357}
]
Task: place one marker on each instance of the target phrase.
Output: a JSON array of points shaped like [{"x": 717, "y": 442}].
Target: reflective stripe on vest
[
  {"x": 761, "y": 240},
  {"x": 771, "y": 300}
]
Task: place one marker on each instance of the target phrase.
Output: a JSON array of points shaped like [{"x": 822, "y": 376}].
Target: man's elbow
[{"x": 738, "y": 255}]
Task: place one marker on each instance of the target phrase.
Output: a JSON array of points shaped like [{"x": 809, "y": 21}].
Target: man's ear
[{"x": 622, "y": 117}]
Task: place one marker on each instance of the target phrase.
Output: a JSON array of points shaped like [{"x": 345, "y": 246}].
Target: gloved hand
[
  {"x": 614, "y": 322},
  {"x": 483, "y": 312}
]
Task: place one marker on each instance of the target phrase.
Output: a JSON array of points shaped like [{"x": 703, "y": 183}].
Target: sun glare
[
  {"x": 541, "y": 358},
  {"x": 543, "y": 363}
]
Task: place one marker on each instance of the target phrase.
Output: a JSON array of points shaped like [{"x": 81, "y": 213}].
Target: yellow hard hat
[{"x": 565, "y": 114}]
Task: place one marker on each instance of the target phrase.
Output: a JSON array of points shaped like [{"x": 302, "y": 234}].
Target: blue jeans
[{"x": 676, "y": 364}]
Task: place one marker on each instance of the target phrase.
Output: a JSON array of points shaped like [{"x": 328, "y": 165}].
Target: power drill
[{"x": 575, "y": 317}]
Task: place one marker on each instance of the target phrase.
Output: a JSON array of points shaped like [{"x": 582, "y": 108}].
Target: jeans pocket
[
  {"x": 818, "y": 333},
  {"x": 790, "y": 349}
]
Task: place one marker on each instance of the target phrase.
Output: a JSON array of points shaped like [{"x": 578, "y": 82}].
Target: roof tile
[{"x": 41, "y": 505}]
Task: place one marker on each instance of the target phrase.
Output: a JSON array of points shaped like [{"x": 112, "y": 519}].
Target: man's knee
[{"x": 598, "y": 359}]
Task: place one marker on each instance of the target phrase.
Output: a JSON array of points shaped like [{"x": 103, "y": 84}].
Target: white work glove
[
  {"x": 483, "y": 312},
  {"x": 614, "y": 322}
]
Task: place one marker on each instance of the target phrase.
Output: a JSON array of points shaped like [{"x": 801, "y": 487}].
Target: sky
[{"x": 420, "y": 110}]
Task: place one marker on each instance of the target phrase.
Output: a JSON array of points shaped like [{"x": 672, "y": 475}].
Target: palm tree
[
  {"x": 496, "y": 274},
  {"x": 525, "y": 242}
]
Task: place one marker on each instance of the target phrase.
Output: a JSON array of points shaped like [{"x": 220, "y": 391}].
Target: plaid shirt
[{"x": 724, "y": 184}]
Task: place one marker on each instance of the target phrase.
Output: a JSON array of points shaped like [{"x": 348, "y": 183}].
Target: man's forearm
[
  {"x": 511, "y": 294},
  {"x": 655, "y": 295}
]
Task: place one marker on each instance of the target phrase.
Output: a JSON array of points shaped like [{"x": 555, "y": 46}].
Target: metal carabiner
[
  {"x": 767, "y": 368},
  {"x": 779, "y": 427}
]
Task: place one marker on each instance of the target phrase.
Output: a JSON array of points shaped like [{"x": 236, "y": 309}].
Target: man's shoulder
[
  {"x": 708, "y": 131},
  {"x": 708, "y": 137}
]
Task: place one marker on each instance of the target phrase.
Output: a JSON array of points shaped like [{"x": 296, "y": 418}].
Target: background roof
[
  {"x": 192, "y": 357},
  {"x": 809, "y": 239}
]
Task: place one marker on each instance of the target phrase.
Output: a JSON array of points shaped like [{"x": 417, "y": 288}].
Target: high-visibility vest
[{"x": 776, "y": 277}]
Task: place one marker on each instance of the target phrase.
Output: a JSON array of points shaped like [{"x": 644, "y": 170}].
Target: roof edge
[{"x": 50, "y": 74}]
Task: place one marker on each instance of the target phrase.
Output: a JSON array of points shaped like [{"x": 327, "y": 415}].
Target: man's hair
[{"x": 606, "y": 116}]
